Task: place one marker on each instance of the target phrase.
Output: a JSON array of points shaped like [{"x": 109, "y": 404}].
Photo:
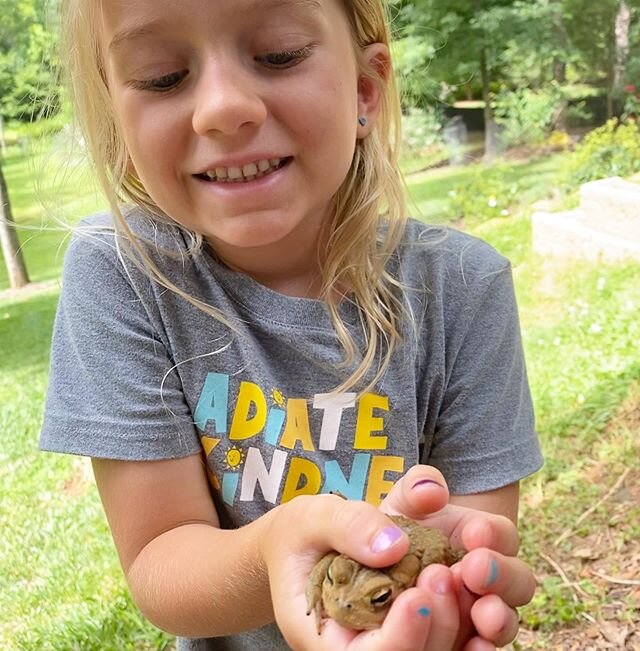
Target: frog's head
[{"x": 355, "y": 596}]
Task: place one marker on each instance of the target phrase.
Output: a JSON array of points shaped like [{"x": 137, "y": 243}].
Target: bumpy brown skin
[{"x": 359, "y": 597}]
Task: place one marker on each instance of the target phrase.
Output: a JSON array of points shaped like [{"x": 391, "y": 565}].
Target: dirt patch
[{"x": 597, "y": 561}]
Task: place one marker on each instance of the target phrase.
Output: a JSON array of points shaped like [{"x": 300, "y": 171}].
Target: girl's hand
[
  {"x": 300, "y": 533},
  {"x": 490, "y": 582}
]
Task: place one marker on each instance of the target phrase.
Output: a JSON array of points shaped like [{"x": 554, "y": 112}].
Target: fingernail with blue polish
[
  {"x": 493, "y": 572},
  {"x": 385, "y": 539},
  {"x": 423, "y": 611}
]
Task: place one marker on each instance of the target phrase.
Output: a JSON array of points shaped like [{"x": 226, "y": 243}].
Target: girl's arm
[
  {"x": 193, "y": 579},
  {"x": 186, "y": 575}
]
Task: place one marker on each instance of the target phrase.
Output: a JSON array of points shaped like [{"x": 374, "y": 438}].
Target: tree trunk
[
  {"x": 560, "y": 63},
  {"x": 9, "y": 240},
  {"x": 621, "y": 52},
  {"x": 491, "y": 144}
]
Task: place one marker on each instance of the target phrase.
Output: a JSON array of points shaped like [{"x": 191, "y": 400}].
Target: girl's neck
[{"x": 289, "y": 267}]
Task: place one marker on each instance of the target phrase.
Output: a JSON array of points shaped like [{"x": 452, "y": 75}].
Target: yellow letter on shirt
[
  {"x": 303, "y": 478},
  {"x": 297, "y": 427},
  {"x": 367, "y": 423},
  {"x": 378, "y": 486},
  {"x": 243, "y": 426}
]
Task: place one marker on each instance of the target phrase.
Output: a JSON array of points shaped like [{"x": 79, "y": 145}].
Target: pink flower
[{"x": 630, "y": 88}]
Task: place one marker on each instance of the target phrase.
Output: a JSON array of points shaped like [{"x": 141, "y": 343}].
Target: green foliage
[
  {"x": 421, "y": 129},
  {"x": 553, "y": 604},
  {"x": 527, "y": 116},
  {"x": 412, "y": 57},
  {"x": 489, "y": 193},
  {"x": 631, "y": 103},
  {"x": 29, "y": 78},
  {"x": 611, "y": 150}
]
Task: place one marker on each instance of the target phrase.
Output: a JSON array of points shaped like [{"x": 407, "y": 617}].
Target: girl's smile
[{"x": 244, "y": 173}]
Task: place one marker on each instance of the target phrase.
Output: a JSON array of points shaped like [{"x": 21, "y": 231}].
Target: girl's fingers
[
  {"x": 438, "y": 583},
  {"x": 422, "y": 494},
  {"x": 328, "y": 522},
  {"x": 423, "y": 490},
  {"x": 494, "y": 620},
  {"x": 479, "y": 644},
  {"x": 490, "y": 530},
  {"x": 487, "y": 572},
  {"x": 405, "y": 628}
]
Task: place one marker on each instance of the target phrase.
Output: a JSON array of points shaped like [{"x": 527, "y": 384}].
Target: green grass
[
  {"x": 61, "y": 586},
  {"x": 429, "y": 192}
]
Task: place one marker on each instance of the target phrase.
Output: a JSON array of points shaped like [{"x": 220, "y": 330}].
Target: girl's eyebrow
[{"x": 151, "y": 27}]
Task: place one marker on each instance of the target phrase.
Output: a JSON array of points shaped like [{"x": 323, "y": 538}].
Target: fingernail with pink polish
[{"x": 385, "y": 539}]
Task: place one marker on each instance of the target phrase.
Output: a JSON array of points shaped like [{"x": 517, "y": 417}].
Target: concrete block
[
  {"x": 571, "y": 235},
  {"x": 612, "y": 206}
]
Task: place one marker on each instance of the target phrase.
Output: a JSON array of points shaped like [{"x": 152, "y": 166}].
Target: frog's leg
[{"x": 313, "y": 591}]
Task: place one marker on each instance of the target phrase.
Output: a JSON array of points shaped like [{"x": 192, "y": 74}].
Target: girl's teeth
[{"x": 247, "y": 173}]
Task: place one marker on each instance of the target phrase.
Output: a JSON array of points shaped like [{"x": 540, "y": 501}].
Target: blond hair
[{"x": 369, "y": 213}]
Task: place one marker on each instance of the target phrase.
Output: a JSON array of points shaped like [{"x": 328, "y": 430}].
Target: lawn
[{"x": 61, "y": 586}]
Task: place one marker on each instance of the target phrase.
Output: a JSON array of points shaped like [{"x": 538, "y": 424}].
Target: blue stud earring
[{"x": 362, "y": 121}]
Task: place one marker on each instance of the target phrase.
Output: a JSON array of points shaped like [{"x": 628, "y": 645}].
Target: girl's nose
[{"x": 226, "y": 100}]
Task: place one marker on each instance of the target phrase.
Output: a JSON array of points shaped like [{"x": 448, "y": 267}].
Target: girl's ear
[{"x": 377, "y": 59}]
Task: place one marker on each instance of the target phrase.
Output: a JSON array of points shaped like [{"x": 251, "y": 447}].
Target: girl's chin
[
  {"x": 261, "y": 229},
  {"x": 252, "y": 237}
]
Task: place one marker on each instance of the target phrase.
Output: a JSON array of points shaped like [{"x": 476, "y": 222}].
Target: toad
[{"x": 359, "y": 597}]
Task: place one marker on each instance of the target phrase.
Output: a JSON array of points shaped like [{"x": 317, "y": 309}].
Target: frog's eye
[{"x": 381, "y": 597}]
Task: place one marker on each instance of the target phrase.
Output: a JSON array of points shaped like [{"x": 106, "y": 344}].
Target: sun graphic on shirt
[
  {"x": 277, "y": 397},
  {"x": 234, "y": 458}
]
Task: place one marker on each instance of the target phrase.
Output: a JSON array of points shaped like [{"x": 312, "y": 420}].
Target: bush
[
  {"x": 527, "y": 116},
  {"x": 421, "y": 129},
  {"x": 491, "y": 192},
  {"x": 43, "y": 127},
  {"x": 611, "y": 150}
]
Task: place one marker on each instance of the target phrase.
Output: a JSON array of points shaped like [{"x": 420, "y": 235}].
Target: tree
[
  {"x": 600, "y": 34},
  {"x": 13, "y": 259},
  {"x": 24, "y": 89},
  {"x": 469, "y": 37},
  {"x": 29, "y": 79}
]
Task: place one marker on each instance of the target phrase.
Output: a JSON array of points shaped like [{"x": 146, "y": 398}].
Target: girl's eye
[
  {"x": 161, "y": 84},
  {"x": 285, "y": 59}
]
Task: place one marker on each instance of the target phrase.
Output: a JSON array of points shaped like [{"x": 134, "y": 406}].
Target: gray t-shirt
[{"x": 139, "y": 373}]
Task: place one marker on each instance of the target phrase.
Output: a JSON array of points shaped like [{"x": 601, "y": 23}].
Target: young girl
[{"x": 256, "y": 321}]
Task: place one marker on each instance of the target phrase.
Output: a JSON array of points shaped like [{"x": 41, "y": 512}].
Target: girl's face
[{"x": 240, "y": 116}]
